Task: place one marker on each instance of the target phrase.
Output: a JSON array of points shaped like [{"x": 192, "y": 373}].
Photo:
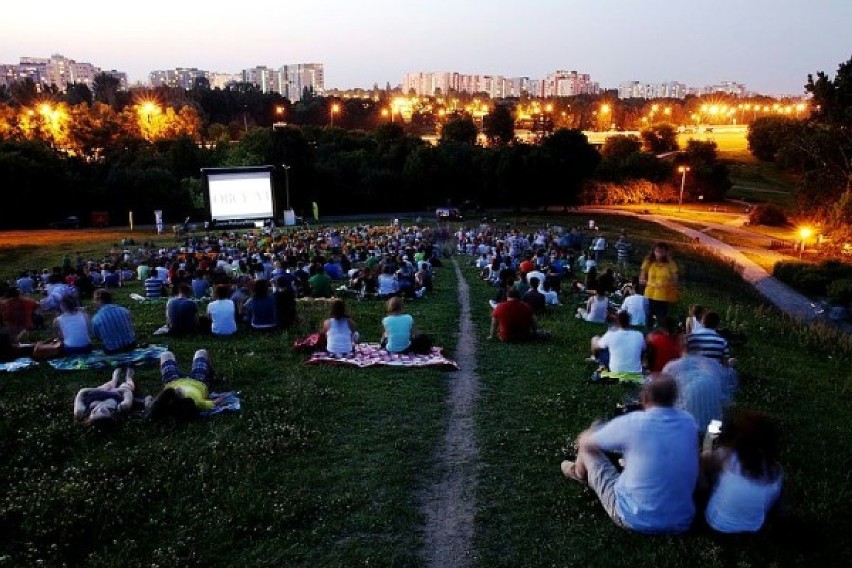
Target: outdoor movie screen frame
[{"x": 239, "y": 194}]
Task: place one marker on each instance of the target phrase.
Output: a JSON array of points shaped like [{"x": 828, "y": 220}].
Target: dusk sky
[{"x": 769, "y": 45}]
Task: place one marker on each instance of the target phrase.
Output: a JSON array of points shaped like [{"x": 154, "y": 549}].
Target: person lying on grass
[
  {"x": 100, "y": 407},
  {"x": 183, "y": 396},
  {"x": 653, "y": 494}
]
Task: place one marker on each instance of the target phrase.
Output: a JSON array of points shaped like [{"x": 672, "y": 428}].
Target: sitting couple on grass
[
  {"x": 398, "y": 334},
  {"x": 182, "y": 396},
  {"x": 654, "y": 491}
]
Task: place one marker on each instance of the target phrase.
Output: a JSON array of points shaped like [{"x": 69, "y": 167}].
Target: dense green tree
[
  {"x": 767, "y": 136},
  {"x": 832, "y": 98},
  {"x": 459, "y": 131},
  {"x": 35, "y": 180},
  {"x": 707, "y": 177},
  {"x": 620, "y": 147},
  {"x": 106, "y": 89},
  {"x": 660, "y": 138},
  {"x": 78, "y": 93},
  {"x": 566, "y": 159},
  {"x": 499, "y": 125},
  {"x": 24, "y": 92}
]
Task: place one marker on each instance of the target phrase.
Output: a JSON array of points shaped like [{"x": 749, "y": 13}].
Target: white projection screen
[{"x": 240, "y": 195}]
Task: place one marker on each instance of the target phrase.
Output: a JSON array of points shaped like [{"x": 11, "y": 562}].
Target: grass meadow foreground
[{"x": 324, "y": 466}]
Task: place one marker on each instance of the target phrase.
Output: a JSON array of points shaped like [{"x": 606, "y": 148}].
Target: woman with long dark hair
[{"x": 745, "y": 474}]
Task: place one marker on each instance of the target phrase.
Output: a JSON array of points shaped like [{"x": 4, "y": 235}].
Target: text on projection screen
[{"x": 246, "y": 195}]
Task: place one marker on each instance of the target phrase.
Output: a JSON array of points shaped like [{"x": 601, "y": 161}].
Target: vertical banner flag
[
  {"x": 316, "y": 211},
  {"x": 130, "y": 219},
  {"x": 158, "y": 219}
]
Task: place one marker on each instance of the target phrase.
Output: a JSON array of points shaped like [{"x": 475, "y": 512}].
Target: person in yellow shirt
[
  {"x": 183, "y": 396},
  {"x": 660, "y": 278}
]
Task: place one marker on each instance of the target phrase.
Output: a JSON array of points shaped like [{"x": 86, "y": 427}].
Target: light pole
[
  {"x": 245, "y": 117},
  {"x": 682, "y": 170},
  {"x": 335, "y": 108},
  {"x": 286, "y": 184},
  {"x": 804, "y": 233}
]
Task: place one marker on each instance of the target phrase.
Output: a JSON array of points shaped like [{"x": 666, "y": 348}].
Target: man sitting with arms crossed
[{"x": 654, "y": 492}]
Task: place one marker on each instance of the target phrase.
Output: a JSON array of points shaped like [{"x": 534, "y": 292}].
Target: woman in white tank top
[{"x": 339, "y": 329}]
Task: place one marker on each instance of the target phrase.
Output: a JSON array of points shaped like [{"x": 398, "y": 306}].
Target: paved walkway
[{"x": 777, "y": 293}]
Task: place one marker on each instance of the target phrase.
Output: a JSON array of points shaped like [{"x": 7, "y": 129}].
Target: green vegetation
[
  {"x": 321, "y": 467},
  {"x": 817, "y": 280},
  {"x": 536, "y": 400},
  {"x": 324, "y": 465}
]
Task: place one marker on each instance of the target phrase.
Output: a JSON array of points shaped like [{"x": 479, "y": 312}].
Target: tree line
[
  {"x": 108, "y": 150},
  {"x": 817, "y": 150}
]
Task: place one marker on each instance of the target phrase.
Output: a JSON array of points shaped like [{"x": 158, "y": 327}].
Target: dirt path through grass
[{"x": 448, "y": 504}]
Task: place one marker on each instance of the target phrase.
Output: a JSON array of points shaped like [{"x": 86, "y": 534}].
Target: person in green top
[
  {"x": 183, "y": 396},
  {"x": 320, "y": 284}
]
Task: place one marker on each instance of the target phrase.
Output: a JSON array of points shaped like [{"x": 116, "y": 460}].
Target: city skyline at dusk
[{"x": 770, "y": 46}]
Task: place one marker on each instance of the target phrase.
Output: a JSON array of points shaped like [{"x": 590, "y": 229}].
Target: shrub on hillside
[
  {"x": 769, "y": 215},
  {"x": 813, "y": 280},
  {"x": 840, "y": 292},
  {"x": 635, "y": 191}
]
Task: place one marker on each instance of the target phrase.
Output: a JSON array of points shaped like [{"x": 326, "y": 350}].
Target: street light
[
  {"x": 286, "y": 184},
  {"x": 804, "y": 233},
  {"x": 682, "y": 170},
  {"x": 335, "y": 108}
]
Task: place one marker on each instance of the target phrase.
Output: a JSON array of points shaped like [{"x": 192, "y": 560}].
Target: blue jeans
[{"x": 200, "y": 370}]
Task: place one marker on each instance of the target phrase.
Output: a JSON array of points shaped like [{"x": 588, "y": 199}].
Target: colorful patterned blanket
[
  {"x": 371, "y": 355},
  {"x": 100, "y": 360},
  {"x": 225, "y": 402}
]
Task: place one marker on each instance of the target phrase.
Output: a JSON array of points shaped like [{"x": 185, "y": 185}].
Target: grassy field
[
  {"x": 536, "y": 400},
  {"x": 759, "y": 182},
  {"x": 323, "y": 467}
]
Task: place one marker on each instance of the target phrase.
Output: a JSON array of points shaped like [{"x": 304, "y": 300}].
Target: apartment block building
[{"x": 55, "y": 70}]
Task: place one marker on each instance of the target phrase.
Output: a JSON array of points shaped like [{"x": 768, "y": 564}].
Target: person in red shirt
[
  {"x": 527, "y": 265},
  {"x": 664, "y": 344},
  {"x": 17, "y": 312},
  {"x": 513, "y": 320}
]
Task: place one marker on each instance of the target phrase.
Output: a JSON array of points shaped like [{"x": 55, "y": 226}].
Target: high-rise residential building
[
  {"x": 517, "y": 86},
  {"x": 181, "y": 77},
  {"x": 666, "y": 90},
  {"x": 495, "y": 86},
  {"x": 263, "y": 77},
  {"x": 569, "y": 84},
  {"x": 726, "y": 87},
  {"x": 222, "y": 80},
  {"x": 295, "y": 78},
  {"x": 57, "y": 70},
  {"x": 289, "y": 81}
]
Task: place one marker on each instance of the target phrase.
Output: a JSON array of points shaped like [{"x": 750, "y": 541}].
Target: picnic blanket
[
  {"x": 100, "y": 360},
  {"x": 608, "y": 377},
  {"x": 17, "y": 365},
  {"x": 225, "y": 402},
  {"x": 372, "y": 354}
]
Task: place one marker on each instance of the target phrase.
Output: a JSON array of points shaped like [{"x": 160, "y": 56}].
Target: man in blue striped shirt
[
  {"x": 112, "y": 324},
  {"x": 707, "y": 342}
]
